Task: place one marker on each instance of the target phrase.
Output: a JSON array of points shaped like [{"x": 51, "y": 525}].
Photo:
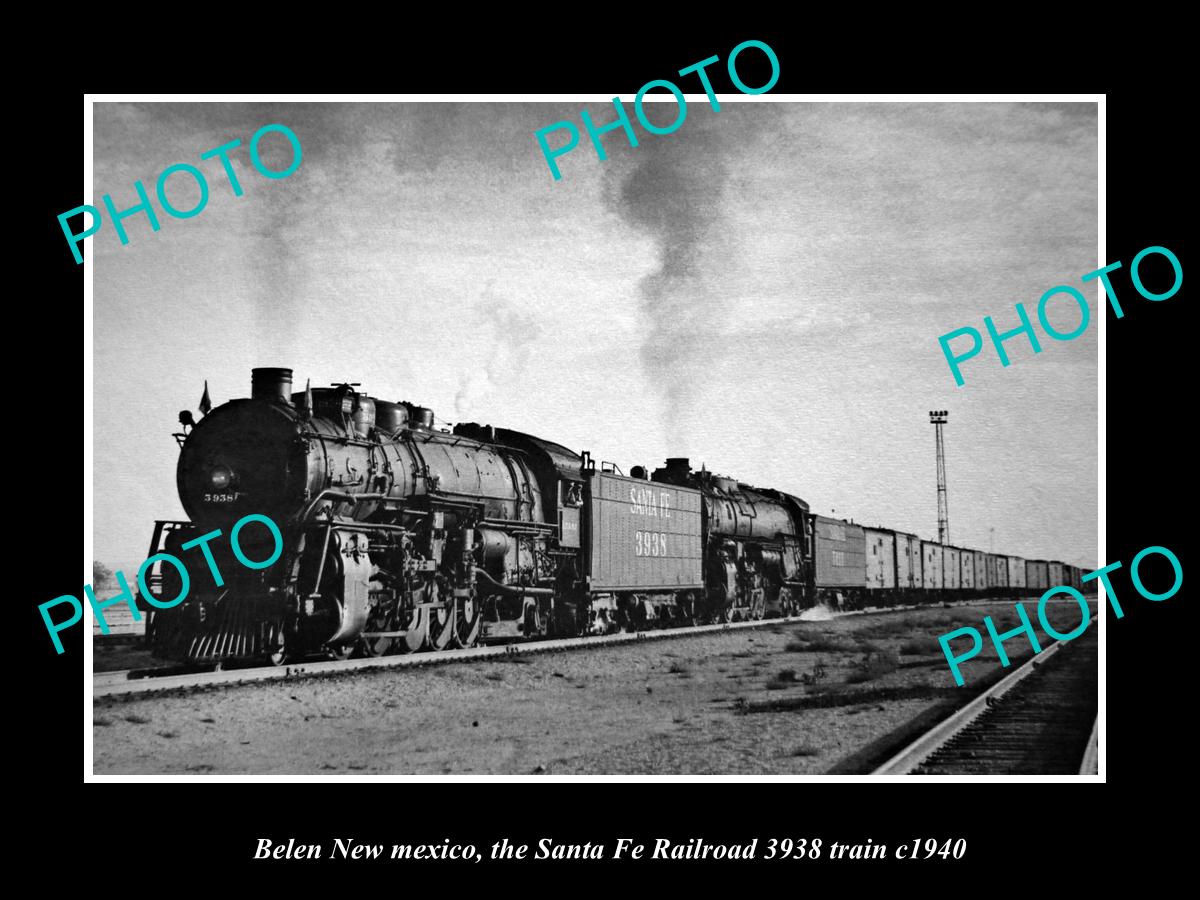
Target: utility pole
[
  {"x": 992, "y": 541},
  {"x": 937, "y": 418}
]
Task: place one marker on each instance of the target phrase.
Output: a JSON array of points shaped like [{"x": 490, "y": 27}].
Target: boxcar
[
  {"x": 1037, "y": 574},
  {"x": 951, "y": 568},
  {"x": 908, "y": 562},
  {"x": 880, "y": 559},
  {"x": 841, "y": 557},
  {"x": 1086, "y": 587},
  {"x": 1077, "y": 577},
  {"x": 983, "y": 571},
  {"x": 1016, "y": 572},
  {"x": 1056, "y": 574},
  {"x": 931, "y": 565},
  {"x": 967, "y": 579},
  {"x": 628, "y": 551},
  {"x": 998, "y": 574}
]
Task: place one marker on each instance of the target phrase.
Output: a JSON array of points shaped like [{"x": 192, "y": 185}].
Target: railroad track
[
  {"x": 111, "y": 684},
  {"x": 130, "y": 683},
  {"x": 1040, "y": 720}
]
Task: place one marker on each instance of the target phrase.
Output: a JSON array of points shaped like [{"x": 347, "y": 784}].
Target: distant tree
[{"x": 101, "y": 574}]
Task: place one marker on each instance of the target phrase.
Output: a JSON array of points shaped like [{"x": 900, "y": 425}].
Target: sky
[{"x": 761, "y": 291}]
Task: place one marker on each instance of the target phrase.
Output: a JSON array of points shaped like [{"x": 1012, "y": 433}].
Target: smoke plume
[
  {"x": 505, "y": 345},
  {"x": 674, "y": 193}
]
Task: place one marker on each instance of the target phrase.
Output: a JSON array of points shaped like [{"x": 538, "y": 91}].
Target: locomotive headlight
[{"x": 220, "y": 478}]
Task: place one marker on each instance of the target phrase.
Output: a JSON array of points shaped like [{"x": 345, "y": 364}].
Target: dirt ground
[{"x": 786, "y": 699}]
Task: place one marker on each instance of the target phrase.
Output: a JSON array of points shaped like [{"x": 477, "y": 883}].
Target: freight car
[
  {"x": 893, "y": 561},
  {"x": 951, "y": 570},
  {"x": 1075, "y": 577},
  {"x": 401, "y": 536},
  {"x": 998, "y": 570},
  {"x": 841, "y": 562},
  {"x": 1037, "y": 576},
  {"x": 932, "y": 554},
  {"x": 1016, "y": 572},
  {"x": 967, "y": 578},
  {"x": 908, "y": 566},
  {"x": 881, "y": 561},
  {"x": 982, "y": 582}
]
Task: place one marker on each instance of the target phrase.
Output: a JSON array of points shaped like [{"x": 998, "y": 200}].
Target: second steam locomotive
[{"x": 399, "y": 536}]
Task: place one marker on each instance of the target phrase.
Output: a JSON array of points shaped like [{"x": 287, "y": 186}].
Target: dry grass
[
  {"x": 874, "y": 665},
  {"x": 819, "y": 644}
]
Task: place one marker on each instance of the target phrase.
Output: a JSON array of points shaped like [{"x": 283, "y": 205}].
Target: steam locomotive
[{"x": 399, "y": 536}]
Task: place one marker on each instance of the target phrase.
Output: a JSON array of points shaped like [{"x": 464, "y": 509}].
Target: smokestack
[
  {"x": 677, "y": 470},
  {"x": 271, "y": 384},
  {"x": 679, "y": 466}
]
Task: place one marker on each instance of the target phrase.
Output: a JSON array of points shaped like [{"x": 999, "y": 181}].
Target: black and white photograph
[{"x": 502, "y": 438}]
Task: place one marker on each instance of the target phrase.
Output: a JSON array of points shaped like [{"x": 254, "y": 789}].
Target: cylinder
[
  {"x": 494, "y": 543},
  {"x": 390, "y": 417},
  {"x": 772, "y": 563},
  {"x": 271, "y": 384}
]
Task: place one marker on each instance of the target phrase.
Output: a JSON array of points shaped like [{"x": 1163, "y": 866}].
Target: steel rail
[
  {"x": 1091, "y": 760},
  {"x": 110, "y": 684},
  {"x": 912, "y": 756}
]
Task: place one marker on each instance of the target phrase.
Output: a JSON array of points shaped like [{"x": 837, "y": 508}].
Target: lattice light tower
[{"x": 937, "y": 418}]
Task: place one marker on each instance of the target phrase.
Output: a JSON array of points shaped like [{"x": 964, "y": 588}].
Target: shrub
[
  {"x": 817, "y": 674},
  {"x": 874, "y": 665}
]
